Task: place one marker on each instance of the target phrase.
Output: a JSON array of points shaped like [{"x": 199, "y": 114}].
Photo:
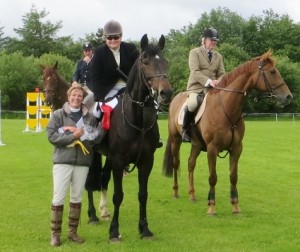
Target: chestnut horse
[{"x": 221, "y": 127}]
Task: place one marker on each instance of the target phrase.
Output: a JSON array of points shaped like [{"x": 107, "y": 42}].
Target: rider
[
  {"x": 111, "y": 63},
  {"x": 206, "y": 69},
  {"x": 110, "y": 67}
]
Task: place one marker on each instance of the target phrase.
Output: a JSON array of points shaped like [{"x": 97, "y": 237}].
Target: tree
[
  {"x": 18, "y": 75},
  {"x": 37, "y": 36}
]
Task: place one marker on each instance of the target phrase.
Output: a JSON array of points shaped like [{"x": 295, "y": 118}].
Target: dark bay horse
[
  {"x": 55, "y": 92},
  {"x": 134, "y": 135},
  {"x": 221, "y": 127}
]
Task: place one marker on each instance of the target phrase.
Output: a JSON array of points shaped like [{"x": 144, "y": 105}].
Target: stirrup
[{"x": 185, "y": 137}]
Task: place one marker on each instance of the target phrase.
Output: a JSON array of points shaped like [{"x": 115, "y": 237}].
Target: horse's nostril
[{"x": 166, "y": 94}]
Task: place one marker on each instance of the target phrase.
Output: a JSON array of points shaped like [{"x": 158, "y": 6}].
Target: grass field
[{"x": 269, "y": 177}]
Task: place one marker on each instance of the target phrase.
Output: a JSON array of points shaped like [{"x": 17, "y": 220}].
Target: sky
[{"x": 137, "y": 17}]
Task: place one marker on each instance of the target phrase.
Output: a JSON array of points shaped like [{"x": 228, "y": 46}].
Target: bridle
[
  {"x": 146, "y": 79},
  {"x": 269, "y": 88},
  {"x": 269, "y": 92},
  {"x": 52, "y": 92}
]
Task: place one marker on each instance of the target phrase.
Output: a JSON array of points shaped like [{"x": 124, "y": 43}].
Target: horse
[
  {"x": 134, "y": 135},
  {"x": 55, "y": 92},
  {"x": 221, "y": 126}
]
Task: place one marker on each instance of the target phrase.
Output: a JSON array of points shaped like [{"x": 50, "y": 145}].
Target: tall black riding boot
[{"x": 188, "y": 117}]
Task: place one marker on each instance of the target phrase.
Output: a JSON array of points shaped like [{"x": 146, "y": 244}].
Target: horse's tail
[{"x": 168, "y": 160}]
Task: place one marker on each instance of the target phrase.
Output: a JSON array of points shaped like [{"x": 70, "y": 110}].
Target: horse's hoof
[
  {"x": 235, "y": 209},
  {"x": 147, "y": 237},
  {"x": 115, "y": 239},
  {"x": 105, "y": 218},
  {"x": 193, "y": 200},
  {"x": 94, "y": 222},
  {"x": 211, "y": 211}
]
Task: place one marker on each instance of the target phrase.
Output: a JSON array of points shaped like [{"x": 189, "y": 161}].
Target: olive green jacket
[{"x": 201, "y": 69}]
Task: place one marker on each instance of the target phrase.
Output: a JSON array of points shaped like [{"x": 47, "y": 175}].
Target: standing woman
[
  {"x": 71, "y": 130},
  {"x": 206, "y": 69}
]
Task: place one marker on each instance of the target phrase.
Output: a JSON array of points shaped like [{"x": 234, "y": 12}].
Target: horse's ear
[
  {"x": 270, "y": 52},
  {"x": 161, "y": 42},
  {"x": 55, "y": 65},
  {"x": 144, "y": 42}
]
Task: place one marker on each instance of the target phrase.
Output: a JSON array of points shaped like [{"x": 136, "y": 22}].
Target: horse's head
[
  {"x": 154, "y": 70},
  {"x": 50, "y": 83},
  {"x": 270, "y": 81},
  {"x": 53, "y": 90}
]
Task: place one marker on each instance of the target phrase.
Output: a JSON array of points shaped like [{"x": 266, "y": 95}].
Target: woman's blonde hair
[{"x": 77, "y": 86}]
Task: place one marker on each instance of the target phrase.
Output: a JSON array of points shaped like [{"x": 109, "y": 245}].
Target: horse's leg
[
  {"x": 118, "y": 195},
  {"x": 212, "y": 161},
  {"x": 233, "y": 162},
  {"x": 93, "y": 183},
  {"x": 175, "y": 149},
  {"x": 93, "y": 219},
  {"x": 195, "y": 151},
  {"x": 143, "y": 175},
  {"x": 105, "y": 178}
]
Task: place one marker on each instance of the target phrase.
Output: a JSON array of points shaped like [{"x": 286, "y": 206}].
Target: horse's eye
[{"x": 145, "y": 61}]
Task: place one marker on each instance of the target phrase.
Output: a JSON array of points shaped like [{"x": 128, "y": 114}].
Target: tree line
[{"x": 240, "y": 40}]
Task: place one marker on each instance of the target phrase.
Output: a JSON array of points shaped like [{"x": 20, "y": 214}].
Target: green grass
[{"x": 268, "y": 186}]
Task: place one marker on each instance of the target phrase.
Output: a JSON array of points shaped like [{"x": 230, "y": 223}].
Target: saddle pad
[{"x": 198, "y": 115}]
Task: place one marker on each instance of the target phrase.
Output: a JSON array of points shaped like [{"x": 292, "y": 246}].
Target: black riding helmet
[{"x": 211, "y": 33}]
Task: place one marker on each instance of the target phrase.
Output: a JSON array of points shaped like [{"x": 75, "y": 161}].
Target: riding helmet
[
  {"x": 87, "y": 46},
  {"x": 112, "y": 27},
  {"x": 211, "y": 33}
]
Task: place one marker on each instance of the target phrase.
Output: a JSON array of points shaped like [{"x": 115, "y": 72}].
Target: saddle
[{"x": 198, "y": 113}]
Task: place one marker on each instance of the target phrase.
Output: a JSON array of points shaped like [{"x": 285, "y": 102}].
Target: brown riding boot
[
  {"x": 56, "y": 221},
  {"x": 74, "y": 216}
]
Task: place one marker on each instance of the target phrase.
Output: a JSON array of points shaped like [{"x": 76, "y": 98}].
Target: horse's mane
[{"x": 246, "y": 67}]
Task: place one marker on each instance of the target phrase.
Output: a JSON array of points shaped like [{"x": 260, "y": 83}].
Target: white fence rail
[{"x": 273, "y": 116}]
